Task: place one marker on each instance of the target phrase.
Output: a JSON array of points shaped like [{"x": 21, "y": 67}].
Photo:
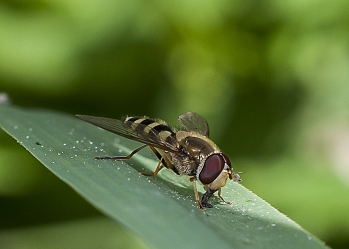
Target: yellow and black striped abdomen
[{"x": 148, "y": 128}]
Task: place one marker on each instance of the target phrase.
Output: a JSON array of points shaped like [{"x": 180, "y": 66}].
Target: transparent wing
[
  {"x": 117, "y": 126},
  {"x": 192, "y": 121}
]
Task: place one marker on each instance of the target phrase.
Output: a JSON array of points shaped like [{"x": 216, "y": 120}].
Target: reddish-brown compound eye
[{"x": 213, "y": 166}]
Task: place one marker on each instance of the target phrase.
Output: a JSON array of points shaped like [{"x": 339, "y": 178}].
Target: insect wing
[
  {"x": 192, "y": 121},
  {"x": 117, "y": 126}
]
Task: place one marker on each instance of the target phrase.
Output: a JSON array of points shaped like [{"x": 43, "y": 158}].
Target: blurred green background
[{"x": 271, "y": 78}]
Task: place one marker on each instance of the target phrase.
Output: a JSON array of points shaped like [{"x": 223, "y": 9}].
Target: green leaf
[{"x": 160, "y": 210}]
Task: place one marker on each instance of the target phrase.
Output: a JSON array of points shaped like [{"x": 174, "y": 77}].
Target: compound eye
[{"x": 213, "y": 166}]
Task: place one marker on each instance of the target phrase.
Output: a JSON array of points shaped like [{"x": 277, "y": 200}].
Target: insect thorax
[
  {"x": 195, "y": 149},
  {"x": 184, "y": 165}
]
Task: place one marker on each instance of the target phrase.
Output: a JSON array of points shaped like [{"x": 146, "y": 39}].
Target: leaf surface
[{"x": 161, "y": 210}]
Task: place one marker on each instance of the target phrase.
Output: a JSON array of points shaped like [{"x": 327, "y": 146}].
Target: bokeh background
[{"x": 271, "y": 77}]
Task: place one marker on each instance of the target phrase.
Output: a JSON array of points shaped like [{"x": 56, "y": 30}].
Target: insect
[{"x": 186, "y": 151}]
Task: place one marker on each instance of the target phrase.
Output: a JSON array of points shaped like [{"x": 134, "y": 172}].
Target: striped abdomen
[{"x": 152, "y": 129}]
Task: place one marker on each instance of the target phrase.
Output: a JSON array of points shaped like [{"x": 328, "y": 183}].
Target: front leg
[
  {"x": 193, "y": 179},
  {"x": 220, "y": 197}
]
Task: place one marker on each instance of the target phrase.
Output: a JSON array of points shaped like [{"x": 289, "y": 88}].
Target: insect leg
[
  {"x": 220, "y": 197},
  {"x": 196, "y": 193},
  {"x": 163, "y": 161},
  {"x": 158, "y": 168},
  {"x": 122, "y": 157}
]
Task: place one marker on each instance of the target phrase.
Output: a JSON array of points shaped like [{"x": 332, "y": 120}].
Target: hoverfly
[{"x": 187, "y": 151}]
